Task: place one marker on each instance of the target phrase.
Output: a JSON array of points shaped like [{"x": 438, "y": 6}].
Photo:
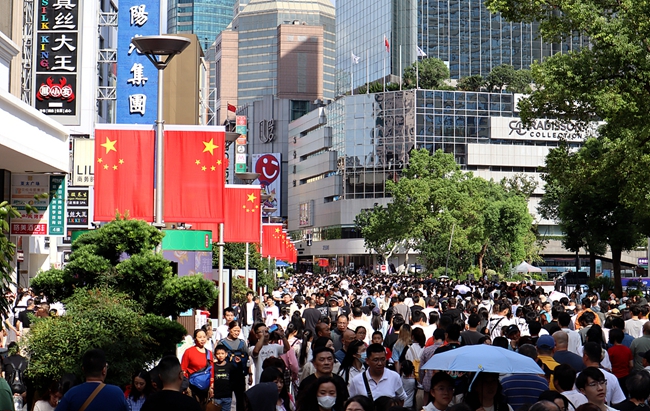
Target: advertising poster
[
  {"x": 137, "y": 78},
  {"x": 56, "y": 61},
  {"x": 269, "y": 168},
  {"x": 50, "y": 217}
]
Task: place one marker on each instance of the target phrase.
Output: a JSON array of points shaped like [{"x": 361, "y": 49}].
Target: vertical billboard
[
  {"x": 57, "y": 40},
  {"x": 268, "y": 166},
  {"x": 78, "y": 211},
  {"x": 83, "y": 162},
  {"x": 137, "y": 78},
  {"x": 48, "y": 219}
]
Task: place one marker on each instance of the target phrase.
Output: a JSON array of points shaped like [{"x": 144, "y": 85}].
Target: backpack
[{"x": 15, "y": 378}]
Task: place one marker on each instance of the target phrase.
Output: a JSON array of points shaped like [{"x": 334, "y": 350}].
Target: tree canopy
[
  {"x": 505, "y": 75},
  {"x": 584, "y": 196},
  {"x": 433, "y": 73},
  {"x": 434, "y": 198},
  {"x": 118, "y": 292},
  {"x": 607, "y": 79}
]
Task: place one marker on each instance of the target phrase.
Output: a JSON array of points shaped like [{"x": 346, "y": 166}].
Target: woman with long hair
[
  {"x": 285, "y": 402},
  {"x": 237, "y": 355},
  {"x": 320, "y": 396},
  {"x": 50, "y": 399},
  {"x": 358, "y": 403},
  {"x": 140, "y": 390},
  {"x": 195, "y": 359},
  {"x": 402, "y": 343},
  {"x": 354, "y": 361},
  {"x": 305, "y": 354},
  {"x": 486, "y": 394}
]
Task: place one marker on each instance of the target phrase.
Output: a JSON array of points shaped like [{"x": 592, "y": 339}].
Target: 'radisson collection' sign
[{"x": 514, "y": 129}]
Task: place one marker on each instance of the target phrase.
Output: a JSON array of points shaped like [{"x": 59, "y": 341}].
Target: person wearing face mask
[
  {"x": 321, "y": 396},
  {"x": 353, "y": 363}
]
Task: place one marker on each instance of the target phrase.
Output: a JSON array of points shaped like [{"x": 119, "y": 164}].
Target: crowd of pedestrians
[{"x": 359, "y": 343}]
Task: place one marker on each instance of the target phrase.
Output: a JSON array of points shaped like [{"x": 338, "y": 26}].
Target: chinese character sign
[
  {"x": 137, "y": 78},
  {"x": 50, "y": 217},
  {"x": 57, "y": 40}
]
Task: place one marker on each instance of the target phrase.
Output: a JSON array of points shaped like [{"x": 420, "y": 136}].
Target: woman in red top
[
  {"x": 194, "y": 359},
  {"x": 620, "y": 356}
]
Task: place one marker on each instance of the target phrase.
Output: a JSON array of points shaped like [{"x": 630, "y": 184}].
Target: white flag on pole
[
  {"x": 355, "y": 59},
  {"x": 420, "y": 52}
]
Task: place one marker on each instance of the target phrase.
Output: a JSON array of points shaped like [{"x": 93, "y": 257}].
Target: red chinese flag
[
  {"x": 242, "y": 214},
  {"x": 194, "y": 174},
  {"x": 232, "y": 108},
  {"x": 271, "y": 240},
  {"x": 124, "y": 169}
]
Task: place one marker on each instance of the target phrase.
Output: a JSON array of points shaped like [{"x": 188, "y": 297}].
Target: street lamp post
[{"x": 160, "y": 50}]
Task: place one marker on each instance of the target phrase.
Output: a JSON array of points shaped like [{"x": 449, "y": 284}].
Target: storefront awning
[{"x": 29, "y": 140}]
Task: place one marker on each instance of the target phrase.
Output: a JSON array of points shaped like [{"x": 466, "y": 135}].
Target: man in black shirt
[
  {"x": 391, "y": 337},
  {"x": 23, "y": 316},
  {"x": 311, "y": 316},
  {"x": 170, "y": 398}
]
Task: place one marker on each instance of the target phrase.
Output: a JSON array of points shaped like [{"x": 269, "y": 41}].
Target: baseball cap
[
  {"x": 645, "y": 355},
  {"x": 546, "y": 342}
]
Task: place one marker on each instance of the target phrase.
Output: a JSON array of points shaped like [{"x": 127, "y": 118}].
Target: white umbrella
[
  {"x": 462, "y": 288},
  {"x": 524, "y": 267},
  {"x": 556, "y": 296}
]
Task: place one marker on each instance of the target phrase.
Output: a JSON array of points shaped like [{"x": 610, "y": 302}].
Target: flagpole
[
  {"x": 384, "y": 72},
  {"x": 400, "y": 67},
  {"x": 351, "y": 76},
  {"x": 222, "y": 288},
  {"x": 246, "y": 263},
  {"x": 367, "y": 75}
]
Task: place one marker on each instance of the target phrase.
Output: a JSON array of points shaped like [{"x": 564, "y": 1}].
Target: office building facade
[
  {"x": 341, "y": 156},
  {"x": 205, "y": 18},
  {"x": 463, "y": 33},
  {"x": 263, "y": 48}
]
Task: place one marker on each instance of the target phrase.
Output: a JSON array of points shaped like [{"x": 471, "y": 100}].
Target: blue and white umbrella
[
  {"x": 279, "y": 263},
  {"x": 483, "y": 358}
]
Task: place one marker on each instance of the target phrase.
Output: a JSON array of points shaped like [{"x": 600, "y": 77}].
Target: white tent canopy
[{"x": 524, "y": 267}]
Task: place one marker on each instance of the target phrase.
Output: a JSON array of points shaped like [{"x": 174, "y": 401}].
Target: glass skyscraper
[
  {"x": 205, "y": 18},
  {"x": 257, "y": 25},
  {"x": 462, "y": 33},
  {"x": 361, "y": 26}
]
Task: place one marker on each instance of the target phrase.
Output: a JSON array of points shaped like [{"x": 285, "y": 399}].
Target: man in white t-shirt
[
  {"x": 263, "y": 350},
  {"x": 272, "y": 312},
  {"x": 222, "y": 329},
  {"x": 634, "y": 326}
]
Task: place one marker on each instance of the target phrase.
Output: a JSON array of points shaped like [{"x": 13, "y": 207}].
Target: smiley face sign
[{"x": 268, "y": 167}]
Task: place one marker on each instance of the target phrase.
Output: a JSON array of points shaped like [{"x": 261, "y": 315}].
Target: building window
[{"x": 299, "y": 109}]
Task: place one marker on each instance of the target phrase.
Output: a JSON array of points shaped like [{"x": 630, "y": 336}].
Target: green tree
[
  {"x": 471, "y": 83},
  {"x": 112, "y": 267},
  {"x": 499, "y": 77},
  {"x": 7, "y": 253},
  {"x": 234, "y": 255},
  {"x": 434, "y": 199},
  {"x": 606, "y": 80},
  {"x": 7, "y": 248},
  {"x": 379, "y": 231},
  {"x": 433, "y": 73},
  {"x": 585, "y": 195},
  {"x": 99, "y": 318}
]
